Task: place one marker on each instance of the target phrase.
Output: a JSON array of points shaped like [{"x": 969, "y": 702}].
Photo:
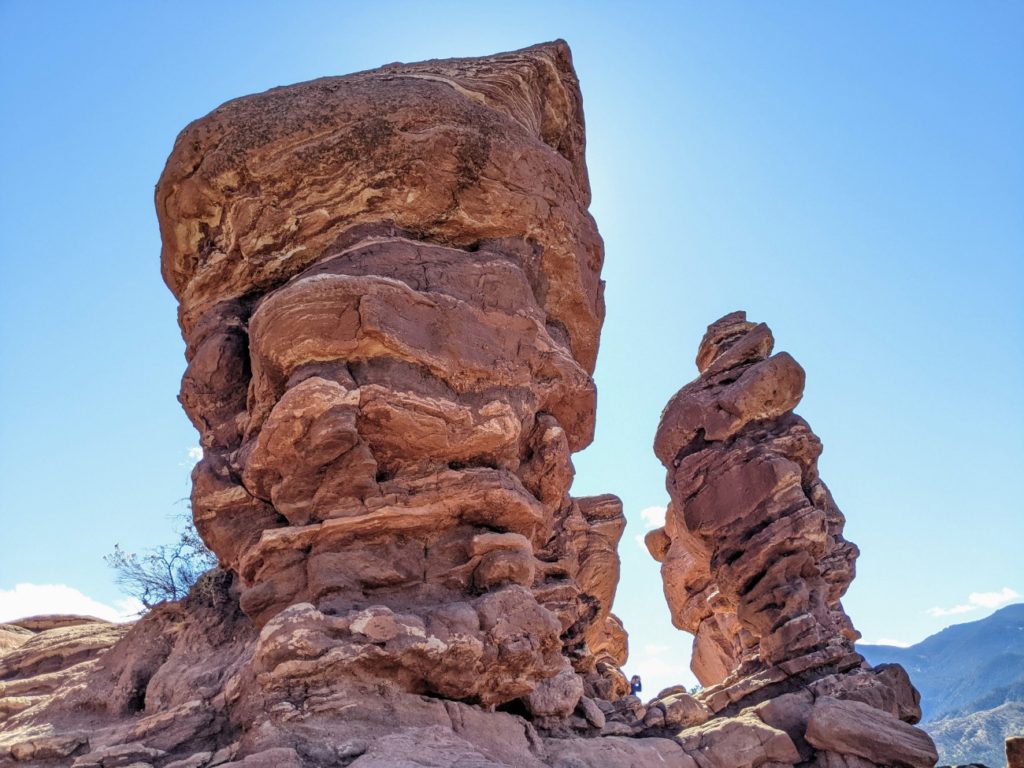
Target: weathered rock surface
[
  {"x": 390, "y": 294},
  {"x": 754, "y": 565},
  {"x": 389, "y": 287},
  {"x": 854, "y": 728},
  {"x": 45, "y": 654}
]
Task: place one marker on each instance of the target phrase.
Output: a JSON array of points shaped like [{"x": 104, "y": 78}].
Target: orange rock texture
[
  {"x": 754, "y": 562},
  {"x": 390, "y": 292},
  {"x": 389, "y": 289}
]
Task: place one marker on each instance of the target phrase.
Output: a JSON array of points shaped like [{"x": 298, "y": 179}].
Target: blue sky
[{"x": 852, "y": 174}]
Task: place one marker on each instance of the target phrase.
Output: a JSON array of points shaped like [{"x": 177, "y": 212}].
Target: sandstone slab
[{"x": 855, "y": 728}]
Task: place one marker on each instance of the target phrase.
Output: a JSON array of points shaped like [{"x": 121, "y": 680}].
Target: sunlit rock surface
[
  {"x": 389, "y": 286},
  {"x": 389, "y": 289},
  {"x": 754, "y": 564}
]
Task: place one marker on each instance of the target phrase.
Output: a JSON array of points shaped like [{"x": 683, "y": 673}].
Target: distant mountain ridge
[{"x": 971, "y": 679}]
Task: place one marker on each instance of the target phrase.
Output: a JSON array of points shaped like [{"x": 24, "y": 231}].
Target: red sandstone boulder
[
  {"x": 1015, "y": 752},
  {"x": 389, "y": 290},
  {"x": 855, "y": 728},
  {"x": 463, "y": 151}
]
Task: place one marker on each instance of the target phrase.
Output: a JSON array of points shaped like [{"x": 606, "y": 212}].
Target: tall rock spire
[
  {"x": 389, "y": 287},
  {"x": 754, "y": 562}
]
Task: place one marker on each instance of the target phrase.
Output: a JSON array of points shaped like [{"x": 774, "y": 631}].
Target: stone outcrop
[
  {"x": 390, "y": 294},
  {"x": 43, "y": 654},
  {"x": 389, "y": 289},
  {"x": 755, "y": 564}
]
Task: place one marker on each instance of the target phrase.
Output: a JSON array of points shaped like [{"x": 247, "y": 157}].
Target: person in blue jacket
[{"x": 635, "y": 686}]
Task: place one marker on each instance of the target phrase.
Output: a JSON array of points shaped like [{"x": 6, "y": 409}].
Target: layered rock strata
[
  {"x": 43, "y": 654},
  {"x": 389, "y": 287},
  {"x": 754, "y": 562},
  {"x": 389, "y": 290}
]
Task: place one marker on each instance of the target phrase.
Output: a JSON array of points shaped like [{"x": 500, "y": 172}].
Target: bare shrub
[{"x": 166, "y": 572}]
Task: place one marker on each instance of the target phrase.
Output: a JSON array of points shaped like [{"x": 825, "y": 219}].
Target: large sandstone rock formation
[
  {"x": 390, "y": 293},
  {"x": 754, "y": 562}
]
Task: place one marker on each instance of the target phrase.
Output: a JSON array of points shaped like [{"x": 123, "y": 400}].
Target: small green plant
[{"x": 166, "y": 572}]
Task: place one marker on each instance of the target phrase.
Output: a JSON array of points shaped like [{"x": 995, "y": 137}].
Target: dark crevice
[
  {"x": 752, "y": 582},
  {"x": 136, "y": 701},
  {"x": 515, "y": 707}
]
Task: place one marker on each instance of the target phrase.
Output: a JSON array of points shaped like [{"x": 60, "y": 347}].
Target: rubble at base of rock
[{"x": 389, "y": 289}]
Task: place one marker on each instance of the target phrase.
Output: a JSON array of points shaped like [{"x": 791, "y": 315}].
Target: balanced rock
[
  {"x": 390, "y": 293},
  {"x": 389, "y": 289},
  {"x": 755, "y": 564}
]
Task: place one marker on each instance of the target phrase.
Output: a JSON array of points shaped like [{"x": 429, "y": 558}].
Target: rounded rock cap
[{"x": 720, "y": 336}]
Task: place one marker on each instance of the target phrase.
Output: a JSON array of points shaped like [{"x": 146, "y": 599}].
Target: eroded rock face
[
  {"x": 43, "y": 654},
  {"x": 389, "y": 289},
  {"x": 460, "y": 152},
  {"x": 390, "y": 292},
  {"x": 754, "y": 564}
]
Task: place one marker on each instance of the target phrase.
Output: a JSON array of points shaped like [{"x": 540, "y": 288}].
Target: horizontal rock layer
[
  {"x": 389, "y": 290},
  {"x": 459, "y": 152},
  {"x": 390, "y": 294}
]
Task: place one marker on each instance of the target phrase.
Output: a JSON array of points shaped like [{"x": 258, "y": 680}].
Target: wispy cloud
[
  {"x": 652, "y": 517},
  {"x": 952, "y": 611},
  {"x": 192, "y": 455},
  {"x": 890, "y": 641},
  {"x": 993, "y": 599},
  {"x": 27, "y": 599},
  {"x": 977, "y": 600}
]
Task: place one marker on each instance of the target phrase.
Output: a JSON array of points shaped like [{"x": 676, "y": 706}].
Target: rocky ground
[{"x": 389, "y": 287}]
